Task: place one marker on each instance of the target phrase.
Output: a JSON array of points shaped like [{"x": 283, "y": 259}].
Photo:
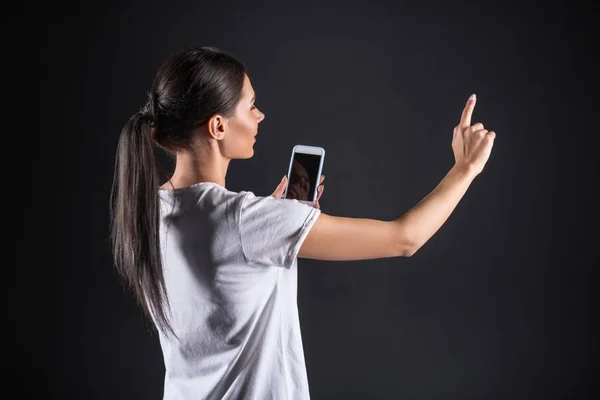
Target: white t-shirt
[{"x": 230, "y": 270}]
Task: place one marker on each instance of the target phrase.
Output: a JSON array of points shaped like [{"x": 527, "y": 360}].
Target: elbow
[
  {"x": 411, "y": 250},
  {"x": 414, "y": 246},
  {"x": 406, "y": 242},
  {"x": 408, "y": 250}
]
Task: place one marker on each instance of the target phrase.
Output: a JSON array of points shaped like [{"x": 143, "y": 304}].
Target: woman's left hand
[{"x": 280, "y": 190}]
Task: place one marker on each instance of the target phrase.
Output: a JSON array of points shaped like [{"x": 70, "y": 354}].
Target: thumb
[{"x": 278, "y": 193}]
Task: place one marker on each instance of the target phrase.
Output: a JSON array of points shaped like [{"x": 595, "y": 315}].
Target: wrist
[{"x": 464, "y": 171}]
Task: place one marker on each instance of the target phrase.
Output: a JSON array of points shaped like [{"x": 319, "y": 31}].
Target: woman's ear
[{"x": 216, "y": 127}]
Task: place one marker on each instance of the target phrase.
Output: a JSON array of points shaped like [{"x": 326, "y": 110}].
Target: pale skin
[{"x": 218, "y": 142}]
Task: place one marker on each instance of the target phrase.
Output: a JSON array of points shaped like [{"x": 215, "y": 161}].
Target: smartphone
[{"x": 304, "y": 173}]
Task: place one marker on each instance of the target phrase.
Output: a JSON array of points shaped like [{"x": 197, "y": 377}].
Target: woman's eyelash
[{"x": 253, "y": 106}]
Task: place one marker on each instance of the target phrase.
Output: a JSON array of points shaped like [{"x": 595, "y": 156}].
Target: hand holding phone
[{"x": 304, "y": 173}]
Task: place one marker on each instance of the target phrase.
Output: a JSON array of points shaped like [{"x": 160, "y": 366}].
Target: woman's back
[{"x": 230, "y": 270}]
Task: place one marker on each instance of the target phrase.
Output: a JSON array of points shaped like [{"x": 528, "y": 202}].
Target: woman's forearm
[{"x": 423, "y": 220}]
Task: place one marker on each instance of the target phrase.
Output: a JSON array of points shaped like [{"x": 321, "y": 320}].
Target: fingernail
[
  {"x": 473, "y": 97},
  {"x": 282, "y": 178}
]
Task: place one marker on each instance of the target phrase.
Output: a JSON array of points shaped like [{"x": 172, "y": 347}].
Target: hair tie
[
  {"x": 150, "y": 110},
  {"x": 153, "y": 103}
]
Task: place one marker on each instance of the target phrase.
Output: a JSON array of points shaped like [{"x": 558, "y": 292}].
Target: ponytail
[
  {"x": 135, "y": 219},
  {"x": 188, "y": 89}
]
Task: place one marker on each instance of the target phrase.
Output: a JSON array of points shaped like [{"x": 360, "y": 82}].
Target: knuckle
[{"x": 477, "y": 126}]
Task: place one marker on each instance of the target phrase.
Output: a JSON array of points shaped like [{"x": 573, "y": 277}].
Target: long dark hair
[{"x": 189, "y": 88}]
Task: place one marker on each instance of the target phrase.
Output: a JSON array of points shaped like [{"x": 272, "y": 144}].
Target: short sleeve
[{"x": 273, "y": 230}]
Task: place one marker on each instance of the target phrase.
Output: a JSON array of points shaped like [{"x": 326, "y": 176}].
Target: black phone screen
[{"x": 303, "y": 180}]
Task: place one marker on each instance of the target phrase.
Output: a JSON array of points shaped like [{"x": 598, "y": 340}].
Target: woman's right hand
[{"x": 472, "y": 144}]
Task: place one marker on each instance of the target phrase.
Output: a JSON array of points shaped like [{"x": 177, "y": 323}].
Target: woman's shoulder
[{"x": 208, "y": 196}]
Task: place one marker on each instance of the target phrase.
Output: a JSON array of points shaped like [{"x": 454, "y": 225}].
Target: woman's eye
[{"x": 253, "y": 106}]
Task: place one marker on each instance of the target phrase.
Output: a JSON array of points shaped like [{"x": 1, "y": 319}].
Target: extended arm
[{"x": 345, "y": 239}]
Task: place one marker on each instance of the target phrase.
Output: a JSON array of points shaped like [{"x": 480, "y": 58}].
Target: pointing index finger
[{"x": 465, "y": 120}]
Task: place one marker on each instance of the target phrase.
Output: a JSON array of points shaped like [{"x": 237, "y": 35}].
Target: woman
[{"x": 216, "y": 270}]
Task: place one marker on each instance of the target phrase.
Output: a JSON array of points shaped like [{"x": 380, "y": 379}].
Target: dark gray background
[{"x": 497, "y": 305}]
